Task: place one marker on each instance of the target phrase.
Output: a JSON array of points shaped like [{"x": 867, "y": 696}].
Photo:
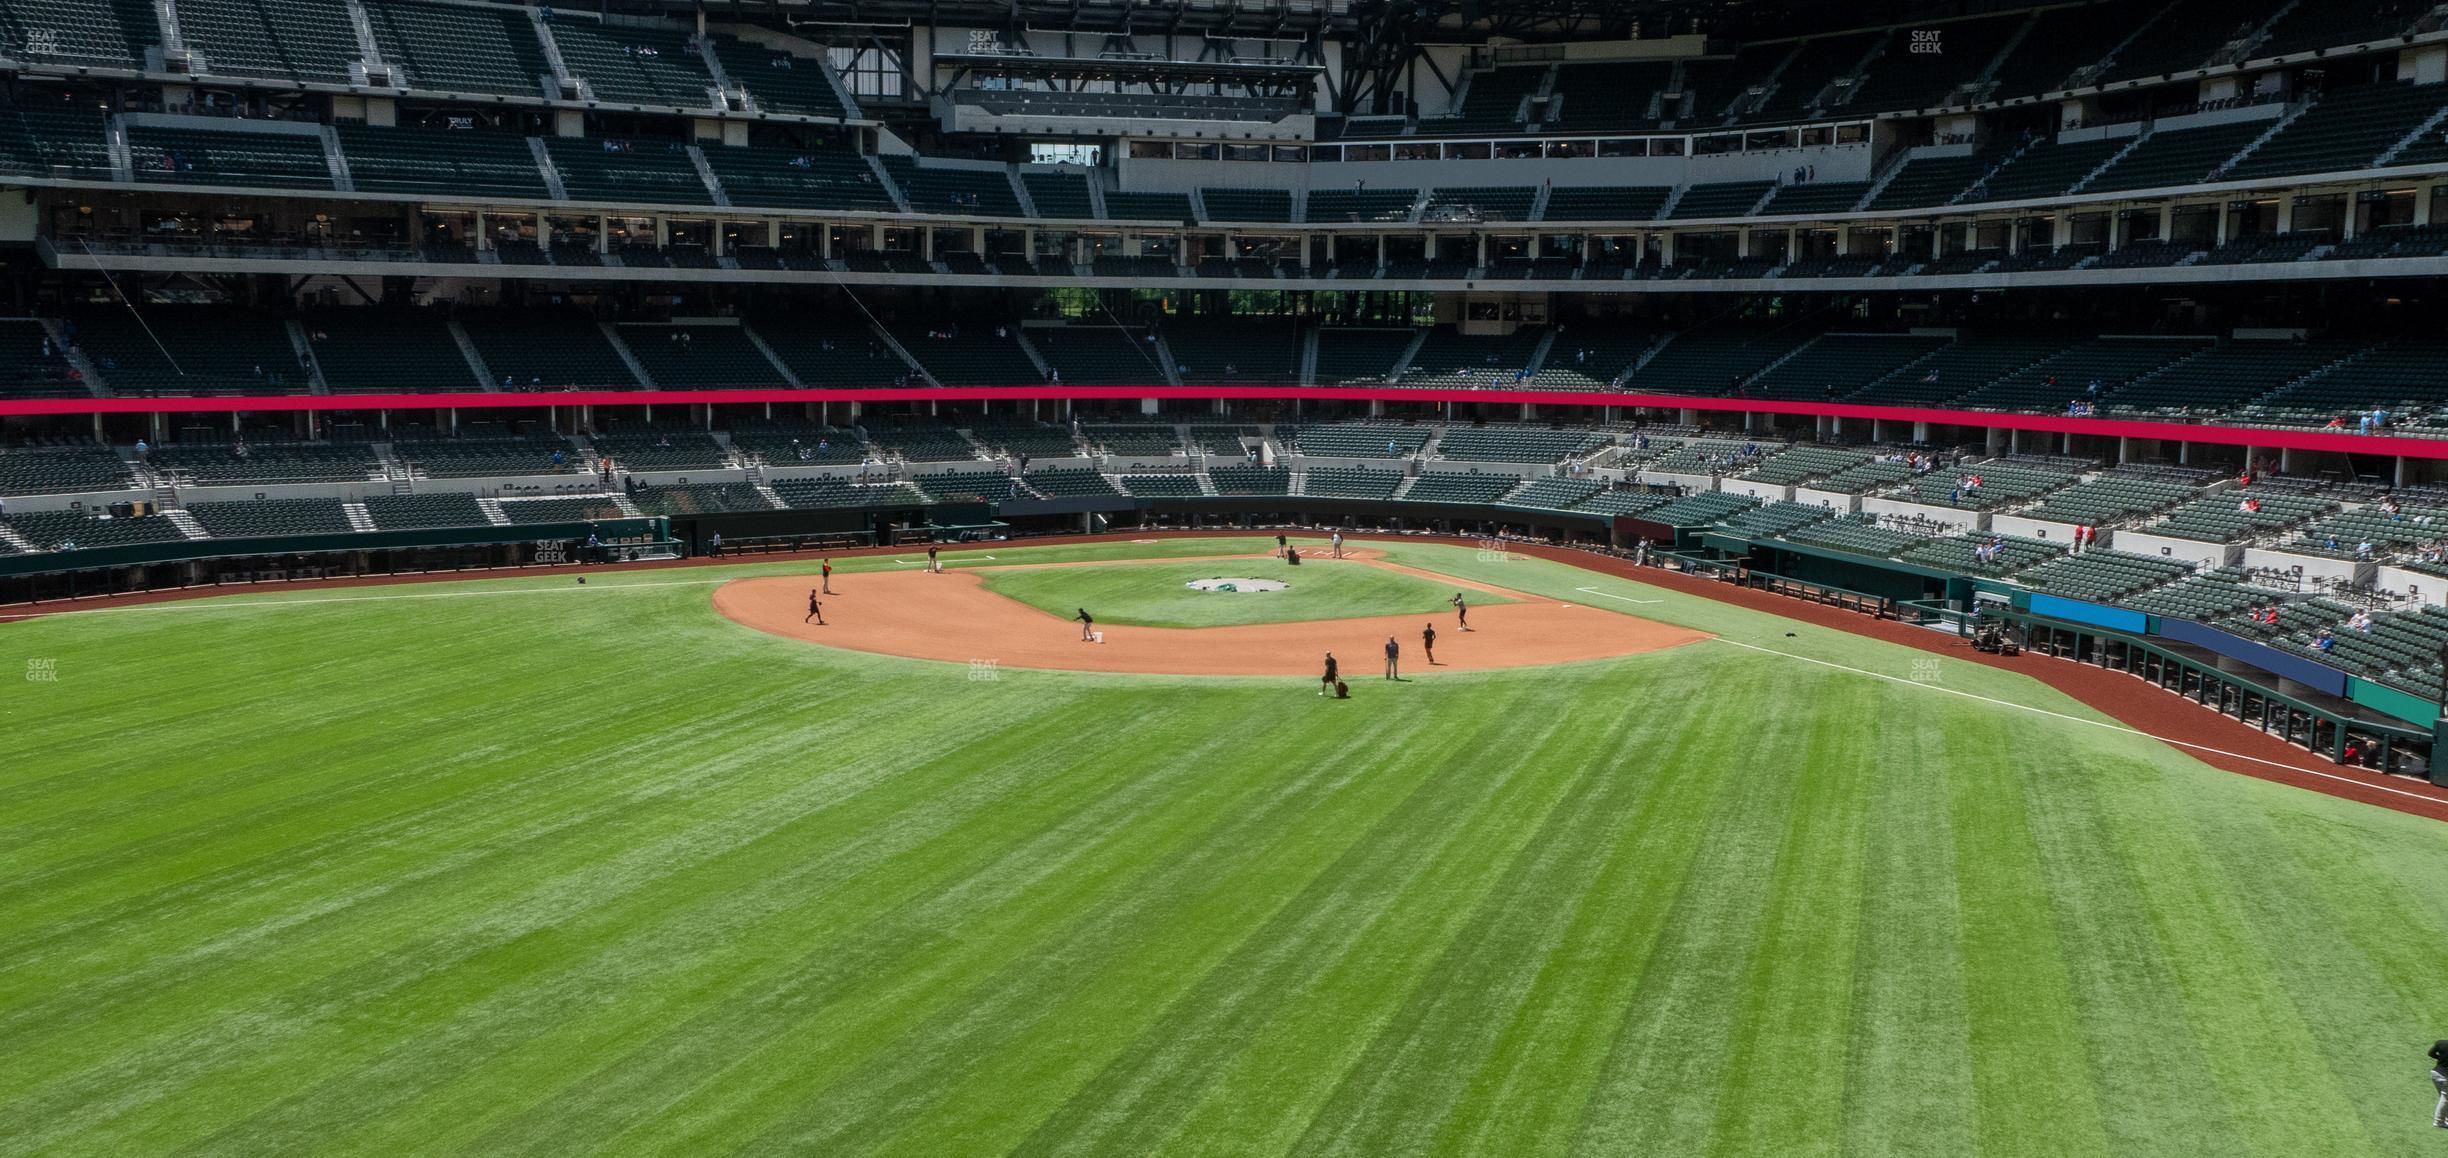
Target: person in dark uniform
[
  {"x": 934, "y": 565},
  {"x": 815, "y": 610},
  {"x": 1327, "y": 682},
  {"x": 1281, "y": 544},
  {"x": 1461, "y": 611},
  {"x": 1393, "y": 659},
  {"x": 828, "y": 576},
  {"x": 1428, "y": 643},
  {"x": 1087, "y": 624},
  {"x": 2439, "y": 1081}
]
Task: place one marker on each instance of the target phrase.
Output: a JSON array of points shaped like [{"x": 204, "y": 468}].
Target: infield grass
[
  {"x": 520, "y": 867},
  {"x": 1158, "y": 595}
]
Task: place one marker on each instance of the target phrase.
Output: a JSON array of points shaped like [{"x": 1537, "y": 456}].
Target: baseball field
[{"x": 648, "y": 865}]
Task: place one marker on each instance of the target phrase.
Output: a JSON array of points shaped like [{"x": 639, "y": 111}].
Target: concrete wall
[
  {"x": 25, "y": 504},
  {"x": 1764, "y": 492},
  {"x": 1843, "y": 504},
  {"x": 2428, "y": 588},
  {"x": 2048, "y": 530},
  {"x": 1954, "y": 520},
  {"x": 1689, "y": 482},
  {"x": 2312, "y": 566},
  {"x": 2164, "y": 547}
]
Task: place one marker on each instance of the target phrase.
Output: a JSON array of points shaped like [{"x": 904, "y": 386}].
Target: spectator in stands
[{"x": 2322, "y": 643}]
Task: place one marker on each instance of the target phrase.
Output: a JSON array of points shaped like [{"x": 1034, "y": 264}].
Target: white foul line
[
  {"x": 210, "y": 603},
  {"x": 2111, "y": 726},
  {"x": 1625, "y": 598}
]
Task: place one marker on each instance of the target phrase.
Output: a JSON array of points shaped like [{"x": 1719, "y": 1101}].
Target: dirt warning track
[{"x": 954, "y": 618}]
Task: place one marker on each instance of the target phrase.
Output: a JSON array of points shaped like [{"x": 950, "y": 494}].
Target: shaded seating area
[
  {"x": 547, "y": 349},
  {"x": 441, "y": 162},
  {"x": 185, "y": 156},
  {"x": 627, "y": 170},
  {"x": 645, "y": 66},
  {"x": 63, "y": 470},
  {"x": 366, "y": 350},
  {"x": 1351, "y": 482},
  {"x": 272, "y": 518},
  {"x": 411, "y": 512},
  {"x": 644, "y": 448},
  {"x": 223, "y": 464},
  {"x": 683, "y": 356},
  {"x": 460, "y": 48},
  {"x": 192, "y": 351}
]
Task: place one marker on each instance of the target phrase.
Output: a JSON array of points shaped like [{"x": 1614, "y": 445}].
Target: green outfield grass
[
  {"x": 520, "y": 867},
  {"x": 1157, "y": 595}
]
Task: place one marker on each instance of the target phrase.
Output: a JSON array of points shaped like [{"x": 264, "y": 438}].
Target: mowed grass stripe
[
  {"x": 1188, "y": 909},
  {"x": 688, "y": 942},
  {"x": 408, "y": 922},
  {"x": 359, "y": 812},
  {"x": 1348, "y": 941},
  {"x": 1420, "y": 1057},
  {"x": 1464, "y": 813},
  {"x": 941, "y": 949},
  {"x": 236, "y": 763},
  {"x": 854, "y": 934},
  {"x": 2323, "y": 894},
  {"x": 2117, "y": 962},
  {"x": 2263, "y": 1057},
  {"x": 1797, "y": 984},
  {"x": 384, "y": 828},
  {"x": 1534, "y": 1080},
  {"x": 1907, "y": 1062},
  {"x": 2030, "y": 1071},
  {"x": 312, "y": 877},
  {"x": 1661, "y": 1085}
]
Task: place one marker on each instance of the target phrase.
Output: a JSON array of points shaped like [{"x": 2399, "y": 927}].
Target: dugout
[{"x": 1827, "y": 567}]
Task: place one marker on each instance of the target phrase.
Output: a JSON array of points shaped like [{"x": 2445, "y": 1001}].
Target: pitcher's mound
[{"x": 953, "y": 617}]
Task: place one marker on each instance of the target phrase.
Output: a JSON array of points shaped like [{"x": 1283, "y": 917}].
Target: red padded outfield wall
[{"x": 2311, "y": 440}]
